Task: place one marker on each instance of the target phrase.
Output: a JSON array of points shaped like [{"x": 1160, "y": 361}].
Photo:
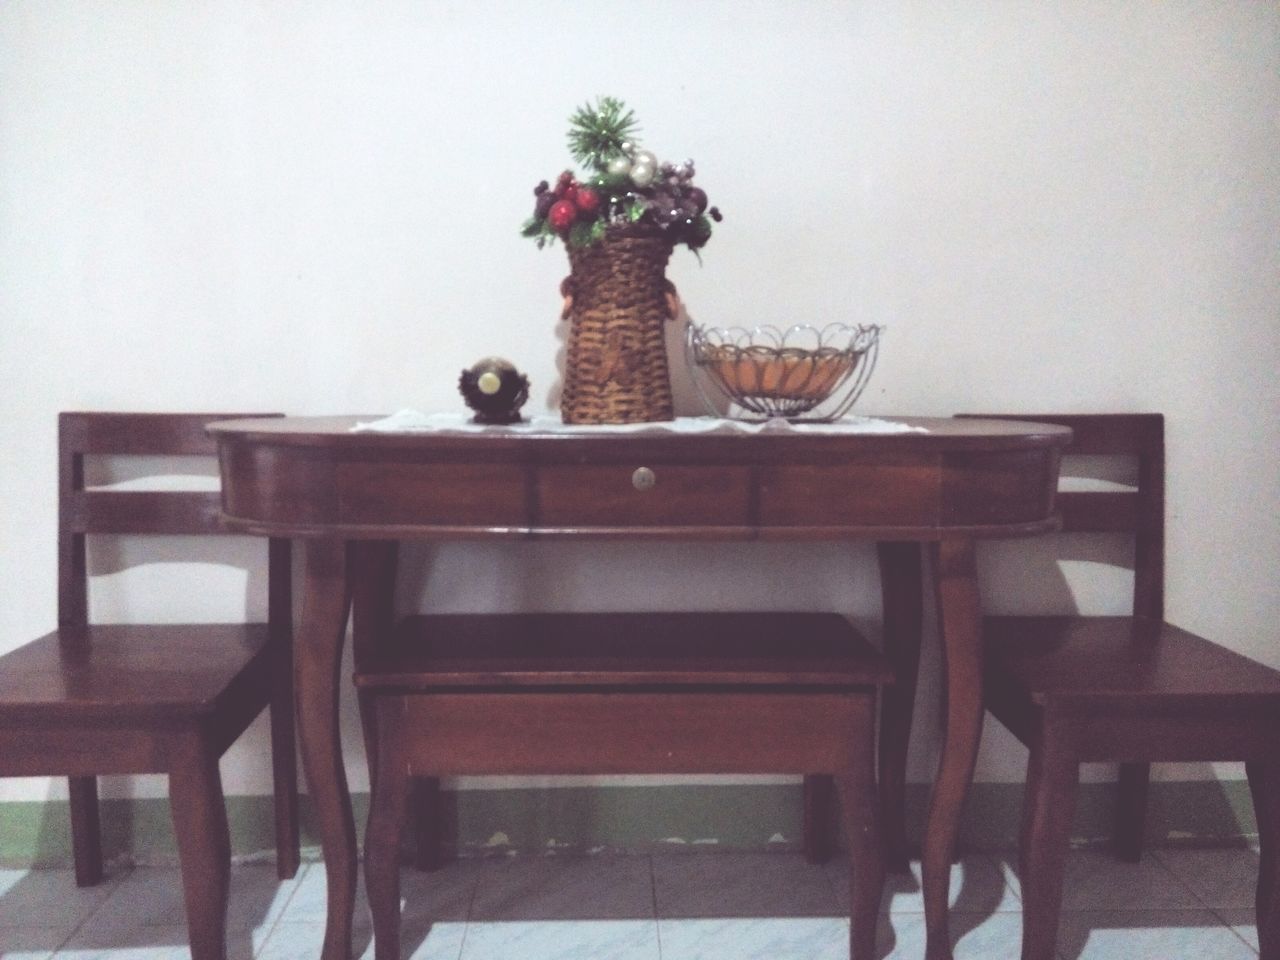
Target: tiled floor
[{"x": 1177, "y": 903}]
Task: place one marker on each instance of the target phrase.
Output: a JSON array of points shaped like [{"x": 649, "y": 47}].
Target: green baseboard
[{"x": 634, "y": 819}]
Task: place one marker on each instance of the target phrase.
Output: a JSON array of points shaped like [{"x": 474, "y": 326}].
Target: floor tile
[
  {"x": 1148, "y": 935},
  {"x": 978, "y": 885},
  {"x": 443, "y": 894},
  {"x": 420, "y": 940},
  {"x": 29, "y": 943},
  {"x": 303, "y": 940},
  {"x": 48, "y": 899},
  {"x": 565, "y": 888},
  {"x": 1243, "y": 922},
  {"x": 428, "y": 940},
  {"x": 1220, "y": 878},
  {"x": 725, "y": 885},
  {"x": 150, "y": 941},
  {"x": 153, "y": 896},
  {"x": 735, "y": 906},
  {"x": 973, "y": 936},
  {"x": 307, "y": 905},
  {"x": 557, "y": 940},
  {"x": 755, "y": 938},
  {"x": 1006, "y": 865},
  {"x": 1096, "y": 880}
]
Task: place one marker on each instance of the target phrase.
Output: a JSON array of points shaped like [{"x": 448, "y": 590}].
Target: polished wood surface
[
  {"x": 1133, "y": 689},
  {"x": 623, "y": 650},
  {"x": 315, "y": 477},
  {"x": 352, "y": 494},
  {"x": 624, "y": 693},
  {"x": 93, "y": 699}
]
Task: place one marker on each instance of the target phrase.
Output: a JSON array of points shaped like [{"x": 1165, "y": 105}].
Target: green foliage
[
  {"x": 667, "y": 201},
  {"x": 611, "y": 181},
  {"x": 700, "y": 232},
  {"x": 596, "y": 134},
  {"x": 533, "y": 227},
  {"x": 580, "y": 234}
]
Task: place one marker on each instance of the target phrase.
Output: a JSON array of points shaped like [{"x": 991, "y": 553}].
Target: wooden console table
[{"x": 352, "y": 497}]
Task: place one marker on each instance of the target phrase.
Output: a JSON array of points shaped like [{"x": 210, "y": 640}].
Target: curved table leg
[
  {"x": 901, "y": 581},
  {"x": 960, "y": 622},
  {"x": 317, "y": 662},
  {"x": 372, "y": 576}
]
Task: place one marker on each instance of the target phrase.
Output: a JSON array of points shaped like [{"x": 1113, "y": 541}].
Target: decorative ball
[
  {"x": 587, "y": 200},
  {"x": 619, "y": 166},
  {"x": 642, "y": 174},
  {"x": 562, "y": 214},
  {"x": 647, "y": 157},
  {"x": 495, "y": 390}
]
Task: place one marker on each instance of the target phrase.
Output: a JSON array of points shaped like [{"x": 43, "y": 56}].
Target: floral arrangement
[{"x": 624, "y": 185}]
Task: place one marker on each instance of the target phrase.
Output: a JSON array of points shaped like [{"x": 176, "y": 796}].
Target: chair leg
[
  {"x": 1264, "y": 784},
  {"x": 428, "y": 823},
  {"x": 902, "y": 584},
  {"x": 382, "y": 839},
  {"x": 819, "y": 826},
  {"x": 284, "y": 772},
  {"x": 284, "y": 761},
  {"x": 1053, "y": 773},
  {"x": 86, "y": 830},
  {"x": 860, "y": 806},
  {"x": 1131, "y": 810},
  {"x": 199, "y": 816}
]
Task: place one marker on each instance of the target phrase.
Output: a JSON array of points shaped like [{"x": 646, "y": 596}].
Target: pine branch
[{"x": 596, "y": 134}]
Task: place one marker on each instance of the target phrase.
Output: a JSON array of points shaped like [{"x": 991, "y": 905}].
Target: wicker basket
[{"x": 616, "y": 359}]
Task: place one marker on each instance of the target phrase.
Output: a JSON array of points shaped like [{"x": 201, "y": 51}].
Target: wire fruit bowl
[{"x": 801, "y": 373}]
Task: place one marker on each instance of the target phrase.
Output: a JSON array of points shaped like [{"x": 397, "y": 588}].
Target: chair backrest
[
  {"x": 1139, "y": 512},
  {"x": 84, "y": 511}
]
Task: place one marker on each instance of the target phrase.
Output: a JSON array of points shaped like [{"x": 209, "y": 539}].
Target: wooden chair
[
  {"x": 622, "y": 693},
  {"x": 1132, "y": 689},
  {"x": 89, "y": 700}
]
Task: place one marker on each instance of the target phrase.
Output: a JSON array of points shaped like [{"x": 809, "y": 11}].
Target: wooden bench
[{"x": 679, "y": 693}]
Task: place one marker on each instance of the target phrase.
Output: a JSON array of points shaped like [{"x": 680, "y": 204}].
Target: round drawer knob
[{"x": 643, "y": 478}]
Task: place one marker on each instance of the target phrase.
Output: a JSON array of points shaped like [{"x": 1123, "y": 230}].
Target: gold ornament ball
[{"x": 495, "y": 390}]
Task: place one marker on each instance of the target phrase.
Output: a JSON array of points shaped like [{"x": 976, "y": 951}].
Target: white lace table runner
[{"x": 413, "y": 421}]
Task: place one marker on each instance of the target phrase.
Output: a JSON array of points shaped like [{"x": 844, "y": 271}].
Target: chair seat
[
  {"x": 132, "y": 673},
  {"x": 1126, "y": 662},
  {"x": 783, "y": 650}
]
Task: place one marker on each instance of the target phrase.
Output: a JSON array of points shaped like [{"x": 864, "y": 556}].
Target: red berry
[
  {"x": 562, "y": 215},
  {"x": 588, "y": 200}
]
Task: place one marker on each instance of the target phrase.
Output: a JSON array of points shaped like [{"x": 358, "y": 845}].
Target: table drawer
[
  {"x": 636, "y": 494},
  {"x": 432, "y": 494},
  {"x": 885, "y": 491}
]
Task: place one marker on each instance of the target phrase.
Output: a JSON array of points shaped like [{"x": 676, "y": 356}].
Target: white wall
[{"x": 313, "y": 207}]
